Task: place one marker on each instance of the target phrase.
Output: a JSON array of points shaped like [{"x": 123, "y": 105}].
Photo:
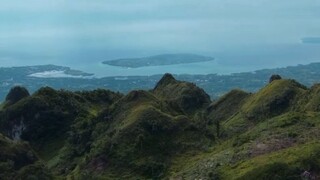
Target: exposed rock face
[
  {"x": 17, "y": 130},
  {"x": 16, "y": 94}
]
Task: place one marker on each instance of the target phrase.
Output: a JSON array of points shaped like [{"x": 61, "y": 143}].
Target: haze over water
[{"x": 242, "y": 35}]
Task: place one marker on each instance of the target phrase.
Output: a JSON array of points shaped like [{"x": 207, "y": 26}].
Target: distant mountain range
[
  {"x": 158, "y": 60},
  {"x": 35, "y": 77}
]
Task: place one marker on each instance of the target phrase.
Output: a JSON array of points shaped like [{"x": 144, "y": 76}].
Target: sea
[{"x": 227, "y": 62}]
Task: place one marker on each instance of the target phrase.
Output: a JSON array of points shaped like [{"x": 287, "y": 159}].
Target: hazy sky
[{"x": 52, "y": 29}]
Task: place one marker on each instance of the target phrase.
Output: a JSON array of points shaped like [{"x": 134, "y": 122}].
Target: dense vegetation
[{"x": 173, "y": 131}]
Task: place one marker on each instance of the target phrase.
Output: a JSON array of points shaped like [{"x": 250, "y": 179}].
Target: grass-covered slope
[
  {"x": 171, "y": 132},
  {"x": 283, "y": 147},
  {"x": 50, "y": 120},
  {"x": 142, "y": 133},
  {"x": 184, "y": 95},
  {"x": 81, "y": 133},
  {"x": 311, "y": 99},
  {"x": 227, "y": 105},
  {"x": 279, "y": 141},
  {"x": 274, "y": 99},
  {"x": 18, "y": 160}
]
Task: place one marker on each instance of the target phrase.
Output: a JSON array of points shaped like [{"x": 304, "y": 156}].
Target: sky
[{"x": 56, "y": 31}]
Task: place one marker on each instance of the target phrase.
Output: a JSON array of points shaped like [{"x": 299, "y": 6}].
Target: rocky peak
[
  {"x": 165, "y": 80},
  {"x": 16, "y": 94},
  {"x": 185, "y": 95},
  {"x": 274, "y": 77}
]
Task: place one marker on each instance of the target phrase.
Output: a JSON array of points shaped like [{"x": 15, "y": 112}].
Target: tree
[
  {"x": 16, "y": 94},
  {"x": 275, "y": 77}
]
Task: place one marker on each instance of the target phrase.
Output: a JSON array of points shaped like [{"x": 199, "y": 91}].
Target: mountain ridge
[{"x": 172, "y": 131}]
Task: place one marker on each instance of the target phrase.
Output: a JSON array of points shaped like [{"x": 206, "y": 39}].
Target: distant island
[
  {"x": 158, "y": 60},
  {"x": 42, "y": 71},
  {"x": 311, "y": 40}
]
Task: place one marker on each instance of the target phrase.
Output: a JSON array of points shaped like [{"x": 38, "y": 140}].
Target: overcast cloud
[{"x": 59, "y": 27}]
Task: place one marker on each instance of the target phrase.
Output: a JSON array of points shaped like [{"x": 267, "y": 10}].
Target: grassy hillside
[{"x": 173, "y": 131}]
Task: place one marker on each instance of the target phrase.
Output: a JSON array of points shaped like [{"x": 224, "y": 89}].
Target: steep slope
[
  {"x": 277, "y": 148},
  {"x": 227, "y": 105},
  {"x": 46, "y": 119},
  {"x": 310, "y": 100},
  {"x": 274, "y": 99},
  {"x": 16, "y": 94},
  {"x": 184, "y": 95},
  {"x": 171, "y": 132},
  {"x": 16, "y": 158},
  {"x": 284, "y": 145},
  {"x": 97, "y": 132},
  {"x": 142, "y": 132}
]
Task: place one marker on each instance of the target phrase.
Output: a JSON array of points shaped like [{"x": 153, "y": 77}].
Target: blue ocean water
[{"x": 241, "y": 60}]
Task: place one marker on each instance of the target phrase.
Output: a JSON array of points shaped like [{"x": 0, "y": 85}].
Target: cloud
[
  {"x": 187, "y": 24},
  {"x": 31, "y": 6}
]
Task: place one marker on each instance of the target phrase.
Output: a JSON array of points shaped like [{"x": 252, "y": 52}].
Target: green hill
[
  {"x": 274, "y": 99},
  {"x": 173, "y": 131}
]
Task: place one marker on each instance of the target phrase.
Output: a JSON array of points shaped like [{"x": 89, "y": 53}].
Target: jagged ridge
[{"x": 172, "y": 131}]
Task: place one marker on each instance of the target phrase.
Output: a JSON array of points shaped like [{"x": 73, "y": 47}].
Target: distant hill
[
  {"x": 158, "y": 60},
  {"x": 35, "y": 77},
  {"x": 173, "y": 131}
]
